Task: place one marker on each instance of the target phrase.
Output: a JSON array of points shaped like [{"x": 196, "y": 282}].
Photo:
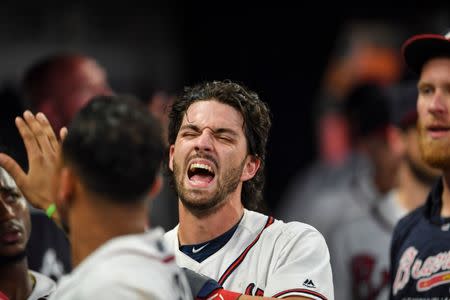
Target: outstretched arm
[{"x": 43, "y": 149}]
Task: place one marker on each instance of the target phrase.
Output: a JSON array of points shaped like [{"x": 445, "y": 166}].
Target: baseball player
[
  {"x": 420, "y": 249},
  {"x": 105, "y": 172},
  {"x": 217, "y": 134},
  {"x": 16, "y": 280}
]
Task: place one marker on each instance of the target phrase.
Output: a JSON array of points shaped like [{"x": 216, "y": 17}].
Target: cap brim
[{"x": 420, "y": 48}]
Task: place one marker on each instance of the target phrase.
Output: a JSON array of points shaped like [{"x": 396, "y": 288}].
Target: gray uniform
[{"x": 359, "y": 252}]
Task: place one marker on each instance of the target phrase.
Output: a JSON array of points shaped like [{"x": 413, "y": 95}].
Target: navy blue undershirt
[{"x": 202, "y": 251}]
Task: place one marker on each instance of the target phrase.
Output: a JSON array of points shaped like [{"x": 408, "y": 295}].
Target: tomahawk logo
[{"x": 309, "y": 283}]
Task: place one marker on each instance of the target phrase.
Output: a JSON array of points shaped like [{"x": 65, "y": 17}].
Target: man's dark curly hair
[
  {"x": 257, "y": 122},
  {"x": 115, "y": 145}
]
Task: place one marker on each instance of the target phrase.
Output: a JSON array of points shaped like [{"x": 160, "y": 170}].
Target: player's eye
[
  {"x": 225, "y": 138},
  {"x": 9, "y": 196},
  {"x": 189, "y": 134},
  {"x": 425, "y": 90}
]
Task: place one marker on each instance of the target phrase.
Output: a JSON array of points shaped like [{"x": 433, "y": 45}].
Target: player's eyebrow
[
  {"x": 214, "y": 130},
  {"x": 190, "y": 127}
]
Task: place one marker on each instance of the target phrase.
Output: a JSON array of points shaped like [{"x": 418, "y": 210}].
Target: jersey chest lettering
[{"x": 429, "y": 272}]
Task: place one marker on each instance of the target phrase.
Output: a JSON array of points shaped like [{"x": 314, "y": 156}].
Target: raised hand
[{"x": 43, "y": 150}]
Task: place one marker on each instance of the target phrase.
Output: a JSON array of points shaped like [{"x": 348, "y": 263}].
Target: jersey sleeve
[{"x": 303, "y": 265}]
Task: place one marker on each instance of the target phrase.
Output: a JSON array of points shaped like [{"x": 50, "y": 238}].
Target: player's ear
[
  {"x": 171, "y": 150},
  {"x": 395, "y": 140},
  {"x": 65, "y": 187},
  {"x": 252, "y": 164}
]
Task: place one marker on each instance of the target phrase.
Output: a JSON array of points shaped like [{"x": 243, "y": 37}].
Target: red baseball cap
[{"x": 418, "y": 49}]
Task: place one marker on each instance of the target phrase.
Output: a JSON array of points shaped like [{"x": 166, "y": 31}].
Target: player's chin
[
  {"x": 199, "y": 203},
  {"x": 12, "y": 251},
  {"x": 197, "y": 199}
]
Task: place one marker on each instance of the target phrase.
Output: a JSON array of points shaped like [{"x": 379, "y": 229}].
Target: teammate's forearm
[{"x": 246, "y": 297}]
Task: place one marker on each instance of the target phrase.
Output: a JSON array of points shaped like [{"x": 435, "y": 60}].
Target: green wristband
[{"x": 51, "y": 210}]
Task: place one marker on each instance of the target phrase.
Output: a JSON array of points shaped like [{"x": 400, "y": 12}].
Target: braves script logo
[{"x": 429, "y": 273}]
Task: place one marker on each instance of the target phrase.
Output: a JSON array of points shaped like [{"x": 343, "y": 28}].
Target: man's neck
[
  {"x": 412, "y": 192},
  {"x": 91, "y": 228},
  {"x": 194, "y": 229},
  {"x": 15, "y": 281},
  {"x": 445, "y": 209}
]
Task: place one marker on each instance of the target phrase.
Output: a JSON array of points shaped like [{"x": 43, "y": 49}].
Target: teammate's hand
[
  {"x": 203, "y": 287},
  {"x": 43, "y": 149}
]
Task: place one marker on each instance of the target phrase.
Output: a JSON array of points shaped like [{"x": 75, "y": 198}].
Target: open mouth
[
  {"x": 200, "y": 174},
  {"x": 438, "y": 128}
]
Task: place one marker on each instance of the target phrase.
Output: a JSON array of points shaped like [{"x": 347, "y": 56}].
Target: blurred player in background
[{"x": 58, "y": 85}]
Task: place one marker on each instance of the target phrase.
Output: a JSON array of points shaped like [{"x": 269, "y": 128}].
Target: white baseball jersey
[
  {"x": 128, "y": 267},
  {"x": 267, "y": 257},
  {"x": 360, "y": 252},
  {"x": 43, "y": 287}
]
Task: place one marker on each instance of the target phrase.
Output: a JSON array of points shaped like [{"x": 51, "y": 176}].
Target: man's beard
[
  {"x": 201, "y": 206},
  {"x": 421, "y": 173},
  {"x": 435, "y": 153},
  {"x": 9, "y": 260}
]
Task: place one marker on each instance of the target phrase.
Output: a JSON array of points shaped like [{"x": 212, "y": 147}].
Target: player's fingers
[
  {"x": 63, "y": 133},
  {"x": 13, "y": 168},
  {"x": 28, "y": 138},
  {"x": 38, "y": 132},
  {"x": 48, "y": 130}
]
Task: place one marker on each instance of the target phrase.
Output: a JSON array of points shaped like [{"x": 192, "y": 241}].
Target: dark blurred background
[{"x": 285, "y": 52}]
